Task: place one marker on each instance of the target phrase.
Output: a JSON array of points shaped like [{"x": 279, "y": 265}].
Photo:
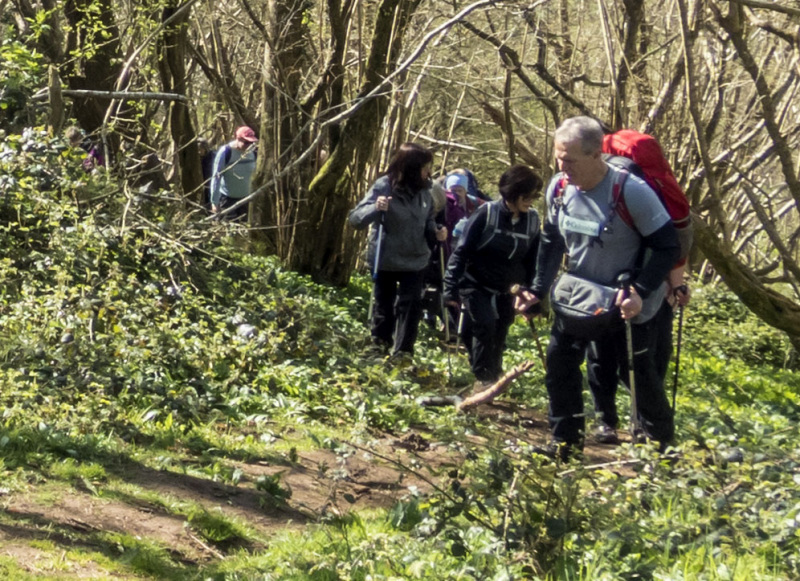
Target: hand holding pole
[{"x": 530, "y": 307}]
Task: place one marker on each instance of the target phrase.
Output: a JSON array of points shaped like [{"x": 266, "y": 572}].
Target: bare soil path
[{"x": 86, "y": 516}]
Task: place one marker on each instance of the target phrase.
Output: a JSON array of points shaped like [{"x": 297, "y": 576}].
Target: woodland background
[
  {"x": 333, "y": 87},
  {"x": 182, "y": 399}
]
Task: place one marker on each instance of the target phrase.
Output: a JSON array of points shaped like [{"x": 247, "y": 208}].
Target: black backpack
[
  {"x": 228, "y": 154},
  {"x": 492, "y": 227}
]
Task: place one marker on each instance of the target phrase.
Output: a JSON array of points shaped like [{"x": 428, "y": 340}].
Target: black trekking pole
[
  {"x": 681, "y": 289},
  {"x": 376, "y": 263},
  {"x": 535, "y": 309},
  {"x": 624, "y": 283},
  {"x": 460, "y": 327},
  {"x": 445, "y": 316}
]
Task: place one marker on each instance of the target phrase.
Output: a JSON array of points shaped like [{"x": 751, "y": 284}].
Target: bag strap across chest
[{"x": 617, "y": 202}]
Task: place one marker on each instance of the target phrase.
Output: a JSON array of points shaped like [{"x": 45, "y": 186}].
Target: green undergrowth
[{"x": 135, "y": 341}]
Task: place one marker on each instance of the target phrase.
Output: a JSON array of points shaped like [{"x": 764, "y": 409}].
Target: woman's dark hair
[
  {"x": 406, "y": 166},
  {"x": 519, "y": 181}
]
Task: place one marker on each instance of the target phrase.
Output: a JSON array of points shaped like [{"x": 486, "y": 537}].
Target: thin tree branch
[
  {"x": 765, "y": 99},
  {"x": 125, "y": 95},
  {"x": 768, "y": 225},
  {"x": 700, "y": 134},
  {"x": 768, "y": 6}
]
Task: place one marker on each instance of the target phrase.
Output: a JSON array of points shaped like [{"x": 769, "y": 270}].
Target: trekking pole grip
[
  {"x": 516, "y": 289},
  {"x": 624, "y": 284}
]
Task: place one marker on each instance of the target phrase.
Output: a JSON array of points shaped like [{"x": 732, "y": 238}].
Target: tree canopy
[{"x": 333, "y": 87}]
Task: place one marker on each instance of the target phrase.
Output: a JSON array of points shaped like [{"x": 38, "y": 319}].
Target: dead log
[{"x": 495, "y": 389}]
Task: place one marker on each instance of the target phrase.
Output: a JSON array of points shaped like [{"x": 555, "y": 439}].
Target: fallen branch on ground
[{"x": 495, "y": 389}]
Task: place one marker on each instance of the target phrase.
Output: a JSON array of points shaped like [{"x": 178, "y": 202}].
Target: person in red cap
[{"x": 233, "y": 170}]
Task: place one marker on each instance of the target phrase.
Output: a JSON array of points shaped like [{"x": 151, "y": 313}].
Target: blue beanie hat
[{"x": 456, "y": 179}]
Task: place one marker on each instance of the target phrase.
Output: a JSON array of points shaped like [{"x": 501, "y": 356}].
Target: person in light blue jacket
[{"x": 234, "y": 165}]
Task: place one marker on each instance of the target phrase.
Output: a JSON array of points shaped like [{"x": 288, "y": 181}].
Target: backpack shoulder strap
[
  {"x": 227, "y": 154},
  {"x": 490, "y": 228},
  {"x": 618, "y": 205},
  {"x": 558, "y": 193},
  {"x": 533, "y": 224}
]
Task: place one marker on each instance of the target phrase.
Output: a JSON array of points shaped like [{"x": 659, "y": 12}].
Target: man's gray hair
[{"x": 582, "y": 129}]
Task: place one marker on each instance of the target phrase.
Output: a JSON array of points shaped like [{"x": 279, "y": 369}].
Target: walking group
[{"x": 609, "y": 253}]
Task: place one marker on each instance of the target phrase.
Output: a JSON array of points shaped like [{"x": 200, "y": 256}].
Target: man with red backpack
[
  {"x": 614, "y": 278},
  {"x": 641, "y": 155}
]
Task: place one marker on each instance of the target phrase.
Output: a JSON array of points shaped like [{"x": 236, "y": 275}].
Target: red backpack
[{"x": 642, "y": 156}]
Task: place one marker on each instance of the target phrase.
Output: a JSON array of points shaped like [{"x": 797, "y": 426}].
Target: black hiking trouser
[
  {"x": 603, "y": 373},
  {"x": 237, "y": 215},
  {"x": 397, "y": 309},
  {"x": 487, "y": 319},
  {"x": 564, "y": 382}
]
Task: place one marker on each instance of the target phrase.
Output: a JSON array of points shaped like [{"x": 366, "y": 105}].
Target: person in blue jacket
[
  {"x": 234, "y": 166},
  {"x": 399, "y": 207}
]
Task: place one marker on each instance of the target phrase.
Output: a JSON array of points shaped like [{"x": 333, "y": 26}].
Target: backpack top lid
[{"x": 646, "y": 153}]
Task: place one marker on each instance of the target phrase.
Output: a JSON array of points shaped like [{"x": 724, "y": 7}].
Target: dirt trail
[{"x": 320, "y": 481}]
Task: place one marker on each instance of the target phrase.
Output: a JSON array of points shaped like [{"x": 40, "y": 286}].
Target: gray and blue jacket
[{"x": 409, "y": 228}]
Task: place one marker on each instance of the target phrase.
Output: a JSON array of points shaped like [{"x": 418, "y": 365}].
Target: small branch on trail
[
  {"x": 603, "y": 466},
  {"x": 496, "y": 389},
  {"x": 211, "y": 550},
  {"x": 477, "y": 399}
]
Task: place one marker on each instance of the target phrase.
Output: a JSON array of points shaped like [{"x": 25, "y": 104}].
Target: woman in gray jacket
[{"x": 399, "y": 207}]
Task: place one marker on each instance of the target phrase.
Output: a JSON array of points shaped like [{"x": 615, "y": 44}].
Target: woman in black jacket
[
  {"x": 400, "y": 209},
  {"x": 497, "y": 250}
]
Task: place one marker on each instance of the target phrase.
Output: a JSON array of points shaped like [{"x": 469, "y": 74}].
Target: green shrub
[{"x": 717, "y": 323}]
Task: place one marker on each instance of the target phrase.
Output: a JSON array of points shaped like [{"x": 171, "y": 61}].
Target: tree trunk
[
  {"x": 94, "y": 36},
  {"x": 283, "y": 135},
  {"x": 311, "y": 235},
  {"x": 173, "y": 77},
  {"x": 773, "y": 308}
]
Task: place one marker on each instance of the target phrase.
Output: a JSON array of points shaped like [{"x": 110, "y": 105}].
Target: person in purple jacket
[
  {"x": 94, "y": 155},
  {"x": 458, "y": 208}
]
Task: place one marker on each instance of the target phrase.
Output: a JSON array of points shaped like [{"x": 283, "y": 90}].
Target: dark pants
[
  {"x": 237, "y": 215},
  {"x": 397, "y": 309},
  {"x": 487, "y": 319},
  {"x": 564, "y": 382},
  {"x": 603, "y": 369}
]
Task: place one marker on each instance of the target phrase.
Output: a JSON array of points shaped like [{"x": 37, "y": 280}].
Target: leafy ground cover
[{"x": 175, "y": 407}]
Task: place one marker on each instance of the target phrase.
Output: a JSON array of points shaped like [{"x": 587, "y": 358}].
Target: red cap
[{"x": 244, "y": 133}]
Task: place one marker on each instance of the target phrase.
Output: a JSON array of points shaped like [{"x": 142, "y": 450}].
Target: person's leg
[
  {"x": 662, "y": 331},
  {"x": 655, "y": 414},
  {"x": 408, "y": 310},
  {"x": 383, "y": 317},
  {"x": 480, "y": 321},
  {"x": 564, "y": 388},
  {"x": 505, "y": 317},
  {"x": 237, "y": 215},
  {"x": 603, "y": 378}
]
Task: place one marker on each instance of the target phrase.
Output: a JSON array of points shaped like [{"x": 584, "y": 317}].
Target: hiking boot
[
  {"x": 377, "y": 348},
  {"x": 605, "y": 434},
  {"x": 401, "y": 359},
  {"x": 639, "y": 437},
  {"x": 559, "y": 451},
  {"x": 481, "y": 385}
]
